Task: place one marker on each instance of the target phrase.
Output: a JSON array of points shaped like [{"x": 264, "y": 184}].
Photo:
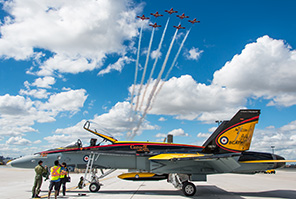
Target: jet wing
[{"x": 194, "y": 163}]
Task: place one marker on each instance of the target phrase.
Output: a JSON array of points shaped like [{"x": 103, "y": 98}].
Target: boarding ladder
[{"x": 90, "y": 172}]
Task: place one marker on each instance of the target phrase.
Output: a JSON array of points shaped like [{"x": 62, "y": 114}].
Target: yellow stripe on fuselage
[{"x": 168, "y": 156}]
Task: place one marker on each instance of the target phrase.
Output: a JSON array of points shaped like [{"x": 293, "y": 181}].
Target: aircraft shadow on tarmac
[
  {"x": 270, "y": 194},
  {"x": 204, "y": 191}
]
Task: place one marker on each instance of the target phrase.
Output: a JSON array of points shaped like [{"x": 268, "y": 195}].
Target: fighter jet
[
  {"x": 194, "y": 21},
  {"x": 156, "y": 14},
  {"x": 143, "y": 17},
  {"x": 171, "y": 11},
  {"x": 182, "y": 16},
  {"x": 154, "y": 25},
  {"x": 225, "y": 151},
  {"x": 179, "y": 27}
]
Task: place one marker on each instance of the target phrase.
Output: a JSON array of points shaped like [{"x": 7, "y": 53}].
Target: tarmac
[{"x": 17, "y": 183}]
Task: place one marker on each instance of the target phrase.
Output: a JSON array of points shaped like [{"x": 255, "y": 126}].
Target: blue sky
[{"x": 62, "y": 63}]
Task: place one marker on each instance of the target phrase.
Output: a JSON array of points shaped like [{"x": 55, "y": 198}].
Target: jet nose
[{"x": 23, "y": 162}]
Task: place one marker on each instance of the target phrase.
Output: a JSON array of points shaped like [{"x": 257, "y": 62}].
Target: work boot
[{"x": 37, "y": 196}]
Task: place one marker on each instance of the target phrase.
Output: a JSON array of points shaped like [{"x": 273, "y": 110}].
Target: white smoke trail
[
  {"x": 137, "y": 65},
  {"x": 145, "y": 69},
  {"x": 154, "y": 88},
  {"x": 173, "y": 64},
  {"x": 155, "y": 61}
]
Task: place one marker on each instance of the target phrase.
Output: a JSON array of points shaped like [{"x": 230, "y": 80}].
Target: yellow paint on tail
[{"x": 237, "y": 138}]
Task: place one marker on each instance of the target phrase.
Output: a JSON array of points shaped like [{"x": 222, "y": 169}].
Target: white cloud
[
  {"x": 79, "y": 33},
  {"x": 18, "y": 141},
  {"x": 44, "y": 82},
  {"x": 65, "y": 101},
  {"x": 37, "y": 142},
  {"x": 162, "y": 119},
  {"x": 203, "y": 135},
  {"x": 18, "y": 114},
  {"x": 178, "y": 132},
  {"x": 194, "y": 53},
  {"x": 155, "y": 54},
  {"x": 283, "y": 138},
  {"x": 191, "y": 100},
  {"x": 114, "y": 123},
  {"x": 161, "y": 135},
  {"x": 117, "y": 65},
  {"x": 265, "y": 68},
  {"x": 37, "y": 93}
]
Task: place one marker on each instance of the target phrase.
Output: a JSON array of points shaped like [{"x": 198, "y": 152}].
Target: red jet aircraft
[
  {"x": 171, "y": 11},
  {"x": 182, "y": 16},
  {"x": 193, "y": 21},
  {"x": 156, "y": 14},
  {"x": 154, "y": 25},
  {"x": 143, "y": 17},
  {"x": 179, "y": 27}
]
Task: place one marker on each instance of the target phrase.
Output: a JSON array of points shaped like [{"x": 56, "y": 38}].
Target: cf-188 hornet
[{"x": 225, "y": 151}]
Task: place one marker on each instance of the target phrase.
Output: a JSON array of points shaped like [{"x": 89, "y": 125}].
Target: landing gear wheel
[
  {"x": 188, "y": 188},
  {"x": 94, "y": 187}
]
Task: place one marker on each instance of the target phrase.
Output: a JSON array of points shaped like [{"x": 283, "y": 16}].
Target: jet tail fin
[{"x": 235, "y": 135}]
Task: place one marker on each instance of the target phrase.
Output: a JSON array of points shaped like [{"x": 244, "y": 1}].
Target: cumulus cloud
[
  {"x": 117, "y": 65},
  {"x": 178, "y": 132},
  {"x": 203, "y": 135},
  {"x": 18, "y": 114},
  {"x": 115, "y": 123},
  {"x": 162, "y": 119},
  {"x": 194, "y": 53},
  {"x": 155, "y": 53},
  {"x": 264, "y": 69},
  {"x": 65, "y": 101},
  {"x": 37, "y": 93},
  {"x": 283, "y": 138},
  {"x": 78, "y": 34},
  {"x": 191, "y": 100},
  {"x": 44, "y": 82},
  {"x": 18, "y": 141}
]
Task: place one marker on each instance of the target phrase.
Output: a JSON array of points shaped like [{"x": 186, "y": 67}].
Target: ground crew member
[
  {"x": 64, "y": 177},
  {"x": 39, "y": 170},
  {"x": 55, "y": 173}
]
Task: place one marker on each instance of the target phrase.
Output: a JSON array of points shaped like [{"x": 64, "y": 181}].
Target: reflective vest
[
  {"x": 55, "y": 172},
  {"x": 64, "y": 173}
]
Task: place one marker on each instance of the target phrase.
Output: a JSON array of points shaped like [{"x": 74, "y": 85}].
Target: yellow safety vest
[
  {"x": 63, "y": 173},
  {"x": 55, "y": 172}
]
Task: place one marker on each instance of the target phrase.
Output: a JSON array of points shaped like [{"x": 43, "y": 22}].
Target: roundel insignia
[
  {"x": 85, "y": 158},
  {"x": 223, "y": 140}
]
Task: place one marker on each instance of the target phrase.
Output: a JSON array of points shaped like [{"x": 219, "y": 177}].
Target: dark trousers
[{"x": 63, "y": 185}]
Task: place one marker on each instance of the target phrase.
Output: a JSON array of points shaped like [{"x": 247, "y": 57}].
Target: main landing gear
[
  {"x": 180, "y": 181},
  {"x": 91, "y": 174}
]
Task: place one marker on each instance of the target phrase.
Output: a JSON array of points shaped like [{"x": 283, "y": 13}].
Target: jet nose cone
[{"x": 23, "y": 162}]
